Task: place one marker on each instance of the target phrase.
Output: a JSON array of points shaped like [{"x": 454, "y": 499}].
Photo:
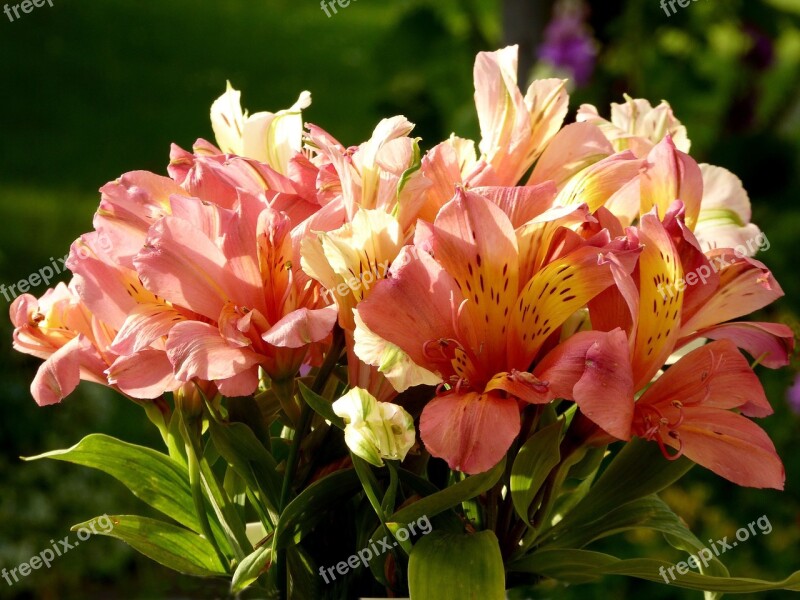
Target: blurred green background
[{"x": 92, "y": 90}]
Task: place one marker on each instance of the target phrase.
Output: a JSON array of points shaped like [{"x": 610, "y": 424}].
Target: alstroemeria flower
[
  {"x": 375, "y": 430},
  {"x": 465, "y": 313},
  {"x": 682, "y": 294},
  {"x": 637, "y": 126},
  {"x": 371, "y": 175},
  {"x": 724, "y": 219},
  {"x": 630, "y": 187},
  {"x": 197, "y": 270},
  {"x": 721, "y": 285},
  {"x": 271, "y": 138},
  {"x": 348, "y": 262},
  {"x": 60, "y": 329},
  {"x": 661, "y": 314},
  {"x": 689, "y": 409},
  {"x": 236, "y": 270},
  {"x": 77, "y": 345},
  {"x": 515, "y": 131}
]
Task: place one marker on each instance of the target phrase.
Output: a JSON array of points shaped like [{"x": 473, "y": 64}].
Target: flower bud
[{"x": 375, "y": 430}]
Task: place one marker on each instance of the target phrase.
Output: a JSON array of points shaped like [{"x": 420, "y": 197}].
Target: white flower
[
  {"x": 264, "y": 136},
  {"x": 724, "y": 220},
  {"x": 375, "y": 430}
]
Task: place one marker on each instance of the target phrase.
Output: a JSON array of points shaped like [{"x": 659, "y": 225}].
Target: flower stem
[{"x": 292, "y": 460}]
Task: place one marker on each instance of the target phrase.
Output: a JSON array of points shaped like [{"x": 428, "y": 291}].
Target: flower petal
[
  {"x": 198, "y": 350},
  {"x": 770, "y": 344},
  {"x": 183, "y": 266},
  {"x": 671, "y": 175},
  {"x": 475, "y": 242},
  {"x": 550, "y": 297},
  {"x": 593, "y": 369},
  {"x": 145, "y": 324},
  {"x": 302, "y": 327},
  {"x": 745, "y": 285},
  {"x": 58, "y": 376},
  {"x": 144, "y": 375},
  {"x": 713, "y": 376},
  {"x": 417, "y": 291},
  {"x": 659, "y": 316},
  {"x": 733, "y": 447},
  {"x": 573, "y": 149},
  {"x": 472, "y": 432},
  {"x": 521, "y": 204}
]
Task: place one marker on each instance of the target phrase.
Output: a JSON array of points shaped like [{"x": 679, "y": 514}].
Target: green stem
[
  {"x": 306, "y": 413},
  {"x": 294, "y": 450},
  {"x": 158, "y": 412},
  {"x": 196, "y": 484}
]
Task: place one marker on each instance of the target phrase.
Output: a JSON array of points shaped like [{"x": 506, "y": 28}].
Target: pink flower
[{"x": 475, "y": 311}]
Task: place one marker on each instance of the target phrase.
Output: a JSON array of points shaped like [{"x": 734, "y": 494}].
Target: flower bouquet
[{"x": 382, "y": 372}]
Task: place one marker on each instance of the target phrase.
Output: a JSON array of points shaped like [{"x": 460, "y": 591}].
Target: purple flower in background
[
  {"x": 762, "y": 52},
  {"x": 793, "y": 395},
  {"x": 568, "y": 44}
]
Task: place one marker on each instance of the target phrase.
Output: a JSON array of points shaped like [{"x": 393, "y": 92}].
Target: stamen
[
  {"x": 289, "y": 286},
  {"x": 681, "y": 415},
  {"x": 676, "y": 436},
  {"x": 427, "y": 352}
]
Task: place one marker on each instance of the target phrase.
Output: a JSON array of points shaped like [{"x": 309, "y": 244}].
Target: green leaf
[
  {"x": 578, "y": 481},
  {"x": 568, "y": 566},
  {"x": 320, "y": 405},
  {"x": 390, "y": 497},
  {"x": 432, "y": 505},
  {"x": 416, "y": 163},
  {"x": 153, "y": 477},
  {"x": 251, "y": 568},
  {"x": 239, "y": 446},
  {"x": 447, "y": 521},
  {"x": 537, "y": 457},
  {"x": 175, "y": 447},
  {"x": 369, "y": 482},
  {"x": 584, "y": 566},
  {"x": 226, "y": 513},
  {"x": 312, "y": 504},
  {"x": 650, "y": 569},
  {"x": 648, "y": 513},
  {"x": 645, "y": 513},
  {"x": 587, "y": 467},
  {"x": 638, "y": 470},
  {"x": 170, "y": 545},
  {"x": 457, "y": 566},
  {"x": 304, "y": 578}
]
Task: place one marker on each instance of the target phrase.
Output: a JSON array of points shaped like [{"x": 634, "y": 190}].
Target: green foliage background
[{"x": 91, "y": 90}]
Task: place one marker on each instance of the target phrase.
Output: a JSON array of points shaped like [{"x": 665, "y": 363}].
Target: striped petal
[
  {"x": 660, "y": 300},
  {"x": 551, "y": 297},
  {"x": 475, "y": 243}
]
